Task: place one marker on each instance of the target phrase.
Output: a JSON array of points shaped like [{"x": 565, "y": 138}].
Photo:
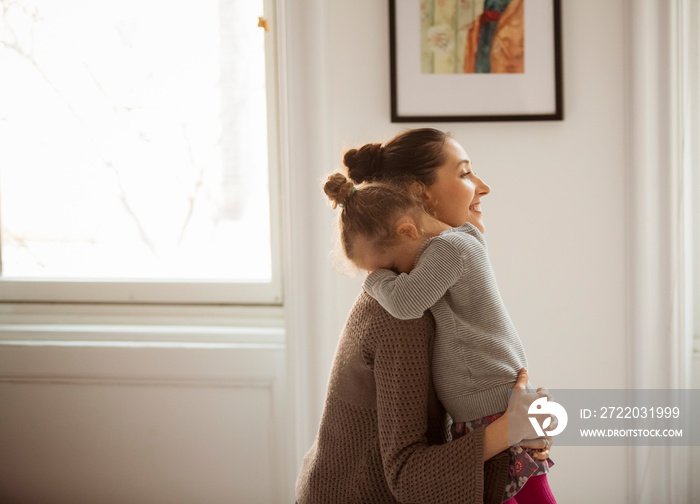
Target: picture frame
[{"x": 445, "y": 68}]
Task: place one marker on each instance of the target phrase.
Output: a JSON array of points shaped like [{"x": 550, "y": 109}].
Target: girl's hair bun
[
  {"x": 365, "y": 163},
  {"x": 338, "y": 188}
]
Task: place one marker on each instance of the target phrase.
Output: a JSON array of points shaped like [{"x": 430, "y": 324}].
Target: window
[{"x": 137, "y": 140}]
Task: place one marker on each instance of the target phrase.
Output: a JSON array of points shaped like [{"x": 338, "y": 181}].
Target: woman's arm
[{"x": 496, "y": 437}]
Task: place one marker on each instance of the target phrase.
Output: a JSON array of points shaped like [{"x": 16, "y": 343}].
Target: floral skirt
[{"x": 522, "y": 465}]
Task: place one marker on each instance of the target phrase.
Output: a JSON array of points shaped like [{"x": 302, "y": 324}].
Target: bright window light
[{"x": 133, "y": 140}]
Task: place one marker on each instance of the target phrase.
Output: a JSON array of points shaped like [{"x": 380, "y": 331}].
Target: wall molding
[
  {"x": 135, "y": 381},
  {"x": 142, "y": 335},
  {"x": 305, "y": 106},
  {"x": 659, "y": 340},
  {"x": 114, "y": 361}
]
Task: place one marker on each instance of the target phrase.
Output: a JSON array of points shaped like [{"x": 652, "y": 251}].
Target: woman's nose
[{"x": 482, "y": 188}]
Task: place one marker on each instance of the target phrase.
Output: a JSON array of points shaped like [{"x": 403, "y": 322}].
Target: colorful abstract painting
[{"x": 472, "y": 36}]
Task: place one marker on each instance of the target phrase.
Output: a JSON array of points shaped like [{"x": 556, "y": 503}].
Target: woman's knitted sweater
[
  {"x": 478, "y": 352},
  {"x": 383, "y": 433}
]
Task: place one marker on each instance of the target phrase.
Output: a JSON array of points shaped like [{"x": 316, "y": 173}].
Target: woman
[{"x": 383, "y": 435}]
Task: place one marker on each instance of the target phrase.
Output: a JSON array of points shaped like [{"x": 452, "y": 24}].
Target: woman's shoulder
[
  {"x": 466, "y": 231},
  {"x": 466, "y": 237},
  {"x": 373, "y": 322},
  {"x": 376, "y": 332},
  {"x": 369, "y": 309}
]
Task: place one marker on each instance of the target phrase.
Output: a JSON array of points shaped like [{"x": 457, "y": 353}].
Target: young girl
[{"x": 418, "y": 263}]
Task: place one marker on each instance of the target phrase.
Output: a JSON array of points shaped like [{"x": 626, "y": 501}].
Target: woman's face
[{"x": 455, "y": 197}]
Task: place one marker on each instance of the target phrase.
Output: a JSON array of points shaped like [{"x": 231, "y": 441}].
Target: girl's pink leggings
[{"x": 535, "y": 491}]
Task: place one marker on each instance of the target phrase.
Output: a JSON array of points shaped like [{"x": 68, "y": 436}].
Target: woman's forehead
[{"x": 456, "y": 153}]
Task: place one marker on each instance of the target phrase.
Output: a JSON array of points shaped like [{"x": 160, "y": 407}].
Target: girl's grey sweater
[{"x": 477, "y": 352}]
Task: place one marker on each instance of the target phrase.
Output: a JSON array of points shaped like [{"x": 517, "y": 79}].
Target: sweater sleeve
[
  {"x": 416, "y": 471},
  {"x": 408, "y": 295}
]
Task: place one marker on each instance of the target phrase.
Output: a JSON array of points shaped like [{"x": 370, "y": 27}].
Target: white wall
[
  {"x": 563, "y": 231},
  {"x": 556, "y": 215}
]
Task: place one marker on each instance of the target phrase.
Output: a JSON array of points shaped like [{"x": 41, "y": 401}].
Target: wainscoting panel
[{"x": 118, "y": 422}]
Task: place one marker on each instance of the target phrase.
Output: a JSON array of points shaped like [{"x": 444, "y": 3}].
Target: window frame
[{"x": 181, "y": 291}]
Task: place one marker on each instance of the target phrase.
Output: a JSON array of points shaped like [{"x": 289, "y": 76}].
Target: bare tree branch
[{"x": 29, "y": 57}]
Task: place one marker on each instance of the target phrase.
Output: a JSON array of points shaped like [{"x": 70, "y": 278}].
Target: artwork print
[
  {"x": 475, "y": 60},
  {"x": 472, "y": 36}
]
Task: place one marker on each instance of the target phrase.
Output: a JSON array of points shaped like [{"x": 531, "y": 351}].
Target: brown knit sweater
[{"x": 383, "y": 435}]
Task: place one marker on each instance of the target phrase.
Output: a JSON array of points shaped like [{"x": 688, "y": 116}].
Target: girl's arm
[{"x": 408, "y": 295}]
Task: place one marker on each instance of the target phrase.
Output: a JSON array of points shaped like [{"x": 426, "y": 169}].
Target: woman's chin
[{"x": 477, "y": 223}]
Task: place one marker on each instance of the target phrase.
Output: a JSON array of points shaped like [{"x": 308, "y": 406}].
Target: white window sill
[{"x": 138, "y": 325}]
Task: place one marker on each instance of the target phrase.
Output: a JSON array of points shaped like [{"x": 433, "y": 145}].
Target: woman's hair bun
[
  {"x": 338, "y": 188},
  {"x": 365, "y": 163}
]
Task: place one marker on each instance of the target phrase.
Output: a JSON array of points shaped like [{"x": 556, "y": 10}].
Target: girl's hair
[
  {"x": 370, "y": 210},
  {"x": 411, "y": 156}
]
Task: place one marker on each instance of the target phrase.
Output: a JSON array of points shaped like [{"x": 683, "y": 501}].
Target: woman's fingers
[
  {"x": 543, "y": 391},
  {"x": 519, "y": 426},
  {"x": 538, "y": 448},
  {"x": 539, "y": 443},
  {"x": 521, "y": 382},
  {"x": 540, "y": 455}
]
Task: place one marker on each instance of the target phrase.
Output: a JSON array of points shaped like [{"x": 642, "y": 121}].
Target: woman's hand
[
  {"x": 539, "y": 453},
  {"x": 520, "y": 430},
  {"x": 539, "y": 448},
  {"x": 514, "y": 425}
]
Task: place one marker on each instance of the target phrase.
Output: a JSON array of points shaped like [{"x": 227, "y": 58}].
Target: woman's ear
[
  {"x": 407, "y": 228},
  {"x": 419, "y": 190},
  {"x": 424, "y": 193}
]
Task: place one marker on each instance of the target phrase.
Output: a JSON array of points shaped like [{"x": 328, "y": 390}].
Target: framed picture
[{"x": 475, "y": 60}]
